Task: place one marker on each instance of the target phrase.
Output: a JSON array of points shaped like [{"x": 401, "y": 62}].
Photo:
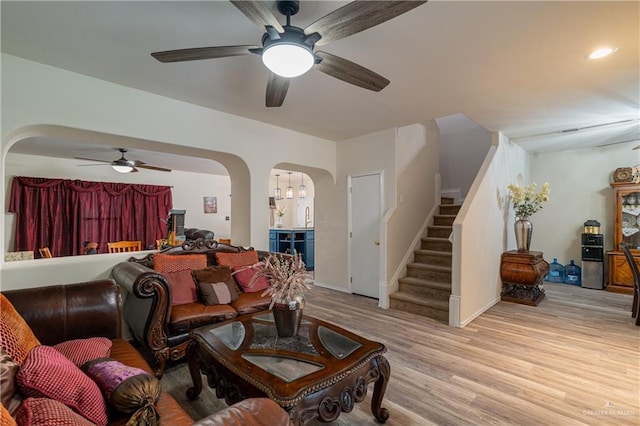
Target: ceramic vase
[
  {"x": 287, "y": 315},
  {"x": 523, "y": 229}
]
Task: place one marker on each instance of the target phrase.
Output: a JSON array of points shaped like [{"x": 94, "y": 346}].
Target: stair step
[
  {"x": 437, "y": 244},
  {"x": 439, "y": 231},
  {"x": 446, "y": 200},
  {"x": 429, "y": 272},
  {"x": 436, "y": 309},
  {"x": 448, "y": 209},
  {"x": 433, "y": 257},
  {"x": 444, "y": 219},
  {"x": 425, "y": 288}
]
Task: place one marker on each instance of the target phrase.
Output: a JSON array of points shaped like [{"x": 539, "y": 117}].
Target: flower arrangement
[
  {"x": 287, "y": 277},
  {"x": 526, "y": 200},
  {"x": 281, "y": 210}
]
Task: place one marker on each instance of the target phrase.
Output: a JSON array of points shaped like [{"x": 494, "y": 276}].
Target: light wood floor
[{"x": 574, "y": 359}]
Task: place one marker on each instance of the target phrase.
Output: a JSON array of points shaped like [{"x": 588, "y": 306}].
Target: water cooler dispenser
[{"x": 592, "y": 256}]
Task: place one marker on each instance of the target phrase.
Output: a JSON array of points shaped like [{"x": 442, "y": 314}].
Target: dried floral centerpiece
[{"x": 287, "y": 276}]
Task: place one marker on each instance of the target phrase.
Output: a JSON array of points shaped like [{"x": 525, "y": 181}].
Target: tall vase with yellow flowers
[{"x": 526, "y": 201}]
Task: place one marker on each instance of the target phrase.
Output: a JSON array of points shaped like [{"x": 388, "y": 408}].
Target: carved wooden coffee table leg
[
  {"x": 381, "y": 414},
  {"x": 193, "y": 360}
]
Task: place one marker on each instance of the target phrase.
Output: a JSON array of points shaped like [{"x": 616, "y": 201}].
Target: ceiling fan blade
[
  {"x": 198, "y": 53},
  {"x": 156, "y": 168},
  {"x": 350, "y": 72},
  {"x": 91, "y": 159},
  {"x": 276, "y": 90},
  {"x": 357, "y": 16},
  {"x": 258, "y": 12}
]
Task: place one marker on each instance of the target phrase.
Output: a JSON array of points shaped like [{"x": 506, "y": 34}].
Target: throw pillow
[
  {"x": 5, "y": 417},
  {"x": 245, "y": 277},
  {"x": 244, "y": 258},
  {"x": 214, "y": 274},
  {"x": 128, "y": 389},
  {"x": 183, "y": 288},
  {"x": 47, "y": 412},
  {"x": 220, "y": 293},
  {"x": 174, "y": 263},
  {"x": 46, "y": 373},
  {"x": 15, "y": 334},
  {"x": 80, "y": 351},
  {"x": 10, "y": 399}
]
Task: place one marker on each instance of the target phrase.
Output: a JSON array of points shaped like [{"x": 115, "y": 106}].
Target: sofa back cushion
[
  {"x": 15, "y": 334},
  {"x": 249, "y": 257}
]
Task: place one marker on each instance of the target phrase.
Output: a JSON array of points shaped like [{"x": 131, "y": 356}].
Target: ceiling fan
[
  {"x": 123, "y": 165},
  {"x": 288, "y": 51}
]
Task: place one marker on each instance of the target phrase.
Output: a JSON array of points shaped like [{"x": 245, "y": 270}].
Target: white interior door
[{"x": 365, "y": 235}]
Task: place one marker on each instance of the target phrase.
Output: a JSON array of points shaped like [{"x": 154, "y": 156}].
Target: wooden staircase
[{"x": 426, "y": 288}]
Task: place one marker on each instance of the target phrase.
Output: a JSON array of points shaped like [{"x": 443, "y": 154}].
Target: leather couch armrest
[
  {"x": 70, "y": 311},
  {"x": 147, "y": 304}
]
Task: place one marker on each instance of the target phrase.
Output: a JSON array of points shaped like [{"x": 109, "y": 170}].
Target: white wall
[
  {"x": 579, "y": 191},
  {"x": 461, "y": 155},
  {"x": 37, "y": 97},
  {"x": 482, "y": 231},
  {"x": 186, "y": 195}
]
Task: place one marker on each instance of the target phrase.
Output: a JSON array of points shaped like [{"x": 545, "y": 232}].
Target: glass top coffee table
[{"x": 318, "y": 374}]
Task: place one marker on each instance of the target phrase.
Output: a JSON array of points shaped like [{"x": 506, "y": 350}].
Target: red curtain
[{"x": 62, "y": 214}]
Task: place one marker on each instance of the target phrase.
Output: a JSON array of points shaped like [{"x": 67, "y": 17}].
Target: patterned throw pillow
[
  {"x": 244, "y": 276},
  {"x": 47, "y": 412},
  {"x": 46, "y": 373},
  {"x": 215, "y": 274},
  {"x": 183, "y": 288},
  {"x": 174, "y": 263},
  {"x": 220, "y": 293},
  {"x": 80, "y": 351},
  {"x": 128, "y": 389},
  {"x": 249, "y": 257},
  {"x": 15, "y": 334}
]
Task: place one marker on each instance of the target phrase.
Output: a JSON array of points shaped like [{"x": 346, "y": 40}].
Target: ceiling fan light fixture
[
  {"x": 288, "y": 59},
  {"x": 120, "y": 168}
]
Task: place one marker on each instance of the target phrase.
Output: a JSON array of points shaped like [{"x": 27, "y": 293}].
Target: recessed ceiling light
[{"x": 602, "y": 52}]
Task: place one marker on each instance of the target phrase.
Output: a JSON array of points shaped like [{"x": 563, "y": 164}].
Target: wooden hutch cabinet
[{"x": 626, "y": 228}]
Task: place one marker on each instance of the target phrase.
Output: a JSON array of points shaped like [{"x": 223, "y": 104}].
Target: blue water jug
[
  {"x": 572, "y": 274},
  {"x": 556, "y": 272}
]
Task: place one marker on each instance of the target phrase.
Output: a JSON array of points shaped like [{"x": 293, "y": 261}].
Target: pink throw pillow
[
  {"x": 47, "y": 412},
  {"x": 46, "y": 373},
  {"x": 80, "y": 351},
  {"x": 183, "y": 288},
  {"x": 244, "y": 275}
]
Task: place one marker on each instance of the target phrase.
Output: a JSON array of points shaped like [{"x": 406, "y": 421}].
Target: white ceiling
[{"x": 515, "y": 66}]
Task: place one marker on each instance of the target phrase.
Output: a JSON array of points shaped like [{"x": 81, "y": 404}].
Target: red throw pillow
[
  {"x": 244, "y": 258},
  {"x": 183, "y": 288},
  {"x": 46, "y": 373},
  {"x": 80, "y": 351},
  {"x": 178, "y": 262},
  {"x": 47, "y": 412},
  {"x": 245, "y": 274}
]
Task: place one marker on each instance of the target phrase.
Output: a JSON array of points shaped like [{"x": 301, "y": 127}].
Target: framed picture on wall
[{"x": 210, "y": 204}]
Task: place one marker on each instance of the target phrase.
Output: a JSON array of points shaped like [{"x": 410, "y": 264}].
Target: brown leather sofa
[
  {"x": 94, "y": 309},
  {"x": 160, "y": 332}
]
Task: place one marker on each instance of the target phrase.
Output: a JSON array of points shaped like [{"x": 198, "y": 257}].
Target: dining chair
[
  {"x": 124, "y": 246},
  {"x": 45, "y": 253},
  {"x": 635, "y": 307}
]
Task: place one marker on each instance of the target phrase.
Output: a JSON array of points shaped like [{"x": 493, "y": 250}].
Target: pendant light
[
  {"x": 289, "y": 191},
  {"x": 302, "y": 191},
  {"x": 277, "y": 193}
]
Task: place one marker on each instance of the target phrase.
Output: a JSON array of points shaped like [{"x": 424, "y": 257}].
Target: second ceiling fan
[{"x": 288, "y": 51}]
